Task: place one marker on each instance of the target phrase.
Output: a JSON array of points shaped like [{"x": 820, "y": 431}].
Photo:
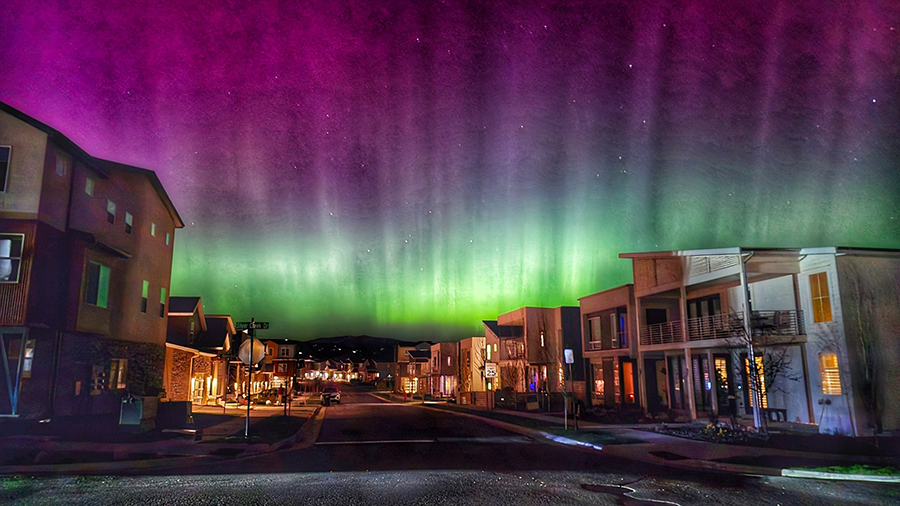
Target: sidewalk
[
  {"x": 217, "y": 434},
  {"x": 640, "y": 443}
]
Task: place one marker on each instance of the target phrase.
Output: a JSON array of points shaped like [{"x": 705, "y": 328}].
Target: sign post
[
  {"x": 570, "y": 359},
  {"x": 248, "y": 355}
]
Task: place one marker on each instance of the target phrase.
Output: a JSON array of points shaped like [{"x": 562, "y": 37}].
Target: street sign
[
  {"x": 490, "y": 370},
  {"x": 259, "y": 351},
  {"x": 252, "y": 325},
  {"x": 570, "y": 355}
]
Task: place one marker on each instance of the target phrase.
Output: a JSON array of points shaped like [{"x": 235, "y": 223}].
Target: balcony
[
  {"x": 762, "y": 323},
  {"x": 618, "y": 343},
  {"x": 661, "y": 333}
]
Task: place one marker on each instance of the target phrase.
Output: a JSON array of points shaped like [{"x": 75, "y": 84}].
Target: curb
[{"x": 818, "y": 475}]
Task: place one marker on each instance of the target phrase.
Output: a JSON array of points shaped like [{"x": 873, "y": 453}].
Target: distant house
[
  {"x": 821, "y": 325},
  {"x": 444, "y": 370},
  {"x": 85, "y": 265},
  {"x": 478, "y": 368},
  {"x": 198, "y": 349},
  {"x": 413, "y": 363}
]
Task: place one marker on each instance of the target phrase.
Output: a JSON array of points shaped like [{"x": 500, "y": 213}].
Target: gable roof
[
  {"x": 184, "y": 305},
  {"x": 102, "y": 167}
]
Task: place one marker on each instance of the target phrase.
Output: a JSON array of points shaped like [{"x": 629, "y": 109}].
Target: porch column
[
  {"x": 714, "y": 380},
  {"x": 689, "y": 384},
  {"x": 636, "y": 345}
]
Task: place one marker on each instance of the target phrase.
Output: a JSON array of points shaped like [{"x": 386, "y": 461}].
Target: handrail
[{"x": 662, "y": 333}]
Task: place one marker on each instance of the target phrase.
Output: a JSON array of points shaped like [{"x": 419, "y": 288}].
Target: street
[{"x": 370, "y": 451}]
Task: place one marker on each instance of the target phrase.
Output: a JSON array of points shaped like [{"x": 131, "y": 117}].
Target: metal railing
[
  {"x": 662, "y": 333},
  {"x": 718, "y": 326},
  {"x": 619, "y": 343},
  {"x": 762, "y": 323}
]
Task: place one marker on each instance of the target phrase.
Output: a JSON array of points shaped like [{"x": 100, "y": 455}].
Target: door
[{"x": 724, "y": 385}]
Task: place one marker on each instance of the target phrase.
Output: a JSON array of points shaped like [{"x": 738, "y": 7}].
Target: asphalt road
[{"x": 373, "y": 452}]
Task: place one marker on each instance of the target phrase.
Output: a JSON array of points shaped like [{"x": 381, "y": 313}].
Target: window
[
  {"x": 831, "y": 374},
  {"x": 145, "y": 292},
  {"x": 448, "y": 361},
  {"x": 153, "y": 229},
  {"x": 284, "y": 352},
  {"x": 10, "y": 257},
  {"x": 162, "y": 302},
  {"x": 118, "y": 368},
  {"x": 488, "y": 357},
  {"x": 129, "y": 223},
  {"x": 110, "y": 211},
  {"x": 61, "y": 163},
  {"x": 168, "y": 238},
  {"x": 821, "y": 300},
  {"x": 97, "y": 285},
  {"x": 89, "y": 186},
  {"x": 762, "y": 381},
  {"x": 5, "y": 153}
]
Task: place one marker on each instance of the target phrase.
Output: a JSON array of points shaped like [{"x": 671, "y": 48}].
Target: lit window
[
  {"x": 448, "y": 361},
  {"x": 5, "y": 152},
  {"x": 118, "y": 367},
  {"x": 89, "y": 186},
  {"x": 831, "y": 374},
  {"x": 821, "y": 300},
  {"x": 97, "y": 285},
  {"x": 145, "y": 293},
  {"x": 110, "y": 211},
  {"x": 10, "y": 257},
  {"x": 761, "y": 374},
  {"x": 488, "y": 352},
  {"x": 162, "y": 302},
  {"x": 168, "y": 238},
  {"x": 153, "y": 229},
  {"x": 129, "y": 223}
]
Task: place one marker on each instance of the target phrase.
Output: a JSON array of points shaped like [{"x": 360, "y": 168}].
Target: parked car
[{"x": 332, "y": 394}]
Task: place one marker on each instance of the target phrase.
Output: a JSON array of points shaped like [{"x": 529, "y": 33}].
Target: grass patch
[{"x": 865, "y": 469}]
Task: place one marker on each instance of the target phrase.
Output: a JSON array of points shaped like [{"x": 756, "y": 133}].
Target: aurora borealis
[{"x": 408, "y": 168}]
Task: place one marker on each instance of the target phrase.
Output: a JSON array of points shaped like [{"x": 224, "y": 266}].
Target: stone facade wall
[{"x": 180, "y": 376}]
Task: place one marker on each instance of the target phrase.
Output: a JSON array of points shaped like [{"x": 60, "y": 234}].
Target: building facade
[{"x": 85, "y": 264}]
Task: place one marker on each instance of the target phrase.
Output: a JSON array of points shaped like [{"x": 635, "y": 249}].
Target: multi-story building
[
  {"x": 610, "y": 348},
  {"x": 479, "y": 368},
  {"x": 443, "y": 371},
  {"x": 85, "y": 264},
  {"x": 413, "y": 365},
  {"x": 538, "y": 337},
  {"x": 820, "y": 324}
]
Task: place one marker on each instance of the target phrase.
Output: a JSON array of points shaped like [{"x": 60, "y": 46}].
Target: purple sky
[{"x": 410, "y": 168}]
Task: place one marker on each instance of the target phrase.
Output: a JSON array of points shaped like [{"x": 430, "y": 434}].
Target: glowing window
[
  {"x": 831, "y": 373},
  {"x": 10, "y": 257},
  {"x": 162, "y": 302},
  {"x": 110, "y": 211},
  {"x": 821, "y": 300},
  {"x": 153, "y": 229},
  {"x": 97, "y": 285},
  {"x": 89, "y": 186},
  {"x": 762, "y": 382},
  {"x": 129, "y": 223},
  {"x": 145, "y": 292}
]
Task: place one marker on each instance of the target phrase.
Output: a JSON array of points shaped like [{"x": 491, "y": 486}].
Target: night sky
[{"x": 408, "y": 168}]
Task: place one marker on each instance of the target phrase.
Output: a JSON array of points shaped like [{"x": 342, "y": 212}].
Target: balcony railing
[
  {"x": 762, "y": 323},
  {"x": 619, "y": 343},
  {"x": 661, "y": 333}
]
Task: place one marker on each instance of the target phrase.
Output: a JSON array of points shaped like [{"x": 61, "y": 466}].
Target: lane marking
[{"x": 489, "y": 440}]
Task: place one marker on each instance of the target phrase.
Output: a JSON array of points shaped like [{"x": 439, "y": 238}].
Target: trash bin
[{"x": 132, "y": 411}]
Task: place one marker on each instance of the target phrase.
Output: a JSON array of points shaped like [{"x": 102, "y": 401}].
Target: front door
[{"x": 724, "y": 385}]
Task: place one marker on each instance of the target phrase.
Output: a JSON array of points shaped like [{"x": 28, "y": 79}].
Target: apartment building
[
  {"x": 534, "y": 339},
  {"x": 820, "y": 325},
  {"x": 479, "y": 369},
  {"x": 610, "y": 348},
  {"x": 85, "y": 264},
  {"x": 444, "y": 370}
]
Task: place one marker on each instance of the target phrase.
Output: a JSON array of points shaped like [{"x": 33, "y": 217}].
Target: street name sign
[{"x": 252, "y": 325}]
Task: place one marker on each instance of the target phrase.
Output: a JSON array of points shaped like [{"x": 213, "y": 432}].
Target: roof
[
  {"x": 216, "y": 336},
  {"x": 102, "y": 167},
  {"x": 419, "y": 355},
  {"x": 221, "y": 319},
  {"x": 504, "y": 330},
  {"x": 184, "y": 305}
]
